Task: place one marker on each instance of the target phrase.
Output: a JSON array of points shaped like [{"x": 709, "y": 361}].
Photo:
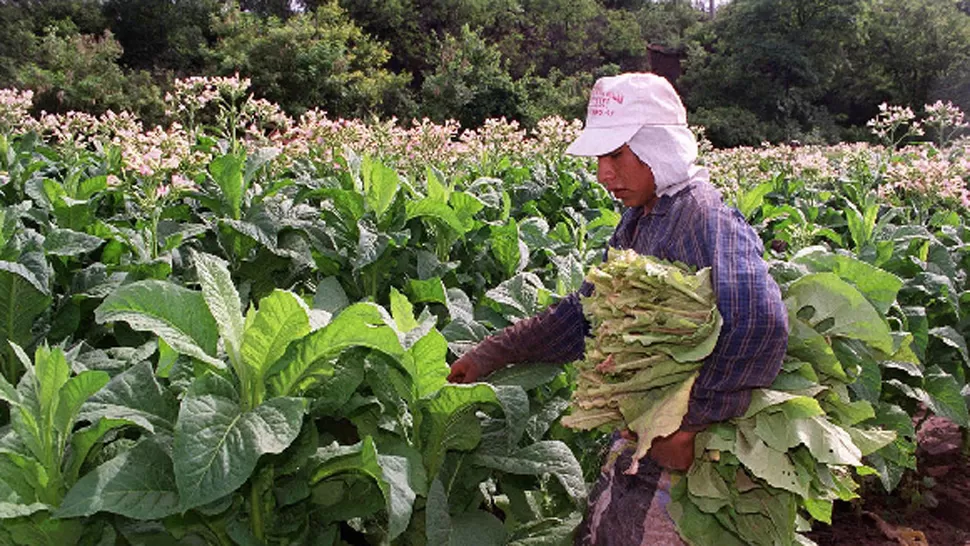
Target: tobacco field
[{"x": 236, "y": 328}]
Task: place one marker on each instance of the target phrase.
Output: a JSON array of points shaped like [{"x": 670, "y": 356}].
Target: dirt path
[{"x": 942, "y": 518}]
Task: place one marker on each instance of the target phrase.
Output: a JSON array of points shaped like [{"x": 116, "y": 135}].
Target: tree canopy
[{"x": 758, "y": 70}]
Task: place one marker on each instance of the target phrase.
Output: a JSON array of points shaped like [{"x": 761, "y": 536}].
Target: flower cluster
[
  {"x": 888, "y": 125},
  {"x": 193, "y": 94},
  {"x": 946, "y": 121},
  {"x": 495, "y": 136},
  {"x": 76, "y": 129},
  {"x": 745, "y": 166},
  {"x": 160, "y": 152},
  {"x": 553, "y": 134},
  {"x": 923, "y": 174},
  {"x": 167, "y": 159},
  {"x": 14, "y": 110}
]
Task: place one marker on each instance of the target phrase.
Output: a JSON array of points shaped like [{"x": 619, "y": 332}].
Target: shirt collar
[{"x": 666, "y": 202}]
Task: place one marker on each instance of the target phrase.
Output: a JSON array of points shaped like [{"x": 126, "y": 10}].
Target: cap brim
[{"x": 597, "y": 141}]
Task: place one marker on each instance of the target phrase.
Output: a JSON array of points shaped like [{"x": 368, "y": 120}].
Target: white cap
[{"x": 619, "y": 106}]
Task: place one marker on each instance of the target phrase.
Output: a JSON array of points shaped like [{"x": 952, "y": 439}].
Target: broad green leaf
[
  {"x": 466, "y": 206},
  {"x": 951, "y": 338},
  {"x": 871, "y": 440},
  {"x": 257, "y": 160},
  {"x": 515, "y": 406},
  {"x": 402, "y": 311},
  {"x": 83, "y": 440},
  {"x": 704, "y": 481},
  {"x": 223, "y": 302},
  {"x": 400, "y": 492},
  {"x": 134, "y": 396},
  {"x": 529, "y": 376},
  {"x": 50, "y": 372},
  {"x": 12, "y": 508},
  {"x": 332, "y": 392},
  {"x": 217, "y": 445},
  {"x": 330, "y": 296},
  {"x": 545, "y": 457},
  {"x": 697, "y": 527},
  {"x": 430, "y": 208},
  {"x": 460, "y": 306},
  {"x": 764, "y": 518},
  {"x": 22, "y": 299},
  {"x": 768, "y": 398},
  {"x": 749, "y": 201},
  {"x": 22, "y": 474},
  {"x": 43, "y": 530},
  {"x": 435, "y": 187},
  {"x": 505, "y": 245},
  {"x": 73, "y": 394},
  {"x": 878, "y": 285},
  {"x": 543, "y": 418},
  {"x": 138, "y": 484},
  {"x": 479, "y": 528},
  {"x": 429, "y": 354},
  {"x": 427, "y": 291},
  {"x": 570, "y": 274},
  {"x": 281, "y": 319},
  {"x": 87, "y": 188},
  {"x": 839, "y": 309},
  {"x": 257, "y": 232},
  {"x": 828, "y": 443},
  {"x": 8, "y": 393},
  {"x": 361, "y": 324},
  {"x": 391, "y": 473},
  {"x": 437, "y": 518},
  {"x": 660, "y": 418},
  {"x": 227, "y": 172},
  {"x": 450, "y": 422},
  {"x": 67, "y": 242},
  {"x": 769, "y": 464},
  {"x": 371, "y": 244},
  {"x": 348, "y": 206},
  {"x": 547, "y": 531},
  {"x": 859, "y": 228},
  {"x": 380, "y": 185},
  {"x": 945, "y": 398},
  {"x": 819, "y": 509},
  {"x": 177, "y": 315},
  {"x": 522, "y": 295}
]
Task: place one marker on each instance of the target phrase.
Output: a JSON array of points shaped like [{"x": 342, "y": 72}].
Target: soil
[{"x": 922, "y": 511}]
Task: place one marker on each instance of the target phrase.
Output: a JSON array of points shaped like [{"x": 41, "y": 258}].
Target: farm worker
[{"x": 637, "y": 127}]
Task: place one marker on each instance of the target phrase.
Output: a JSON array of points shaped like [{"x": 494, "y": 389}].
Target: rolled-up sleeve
[{"x": 754, "y": 336}]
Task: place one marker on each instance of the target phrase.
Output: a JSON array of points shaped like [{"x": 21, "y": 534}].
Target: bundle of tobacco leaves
[
  {"x": 762, "y": 478},
  {"x": 653, "y": 323}
]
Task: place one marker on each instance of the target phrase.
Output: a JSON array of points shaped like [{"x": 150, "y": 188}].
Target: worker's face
[{"x": 626, "y": 177}]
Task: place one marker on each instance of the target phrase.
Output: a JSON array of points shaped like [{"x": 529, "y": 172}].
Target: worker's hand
[
  {"x": 674, "y": 452},
  {"x": 466, "y": 370}
]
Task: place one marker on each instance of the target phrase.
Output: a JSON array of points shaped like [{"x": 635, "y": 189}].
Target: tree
[
  {"x": 912, "y": 48},
  {"x": 163, "y": 35},
  {"x": 74, "y": 71},
  {"x": 470, "y": 82},
  {"x": 318, "y": 59},
  {"x": 774, "y": 58},
  {"x": 669, "y": 23}
]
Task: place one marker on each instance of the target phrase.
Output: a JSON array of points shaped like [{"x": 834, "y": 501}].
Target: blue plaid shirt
[{"x": 696, "y": 228}]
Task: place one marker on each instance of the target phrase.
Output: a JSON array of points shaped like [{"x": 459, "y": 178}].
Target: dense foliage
[
  {"x": 235, "y": 329},
  {"x": 761, "y": 70}
]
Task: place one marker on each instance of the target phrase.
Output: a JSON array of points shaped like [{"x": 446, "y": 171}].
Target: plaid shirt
[{"x": 696, "y": 228}]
